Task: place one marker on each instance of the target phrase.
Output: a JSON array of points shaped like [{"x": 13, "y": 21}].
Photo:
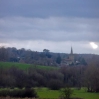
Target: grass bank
[{"x": 24, "y": 66}]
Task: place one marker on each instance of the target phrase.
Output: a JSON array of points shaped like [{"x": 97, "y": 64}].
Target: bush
[
  {"x": 66, "y": 93},
  {"x": 4, "y": 92},
  {"x": 19, "y": 93}
]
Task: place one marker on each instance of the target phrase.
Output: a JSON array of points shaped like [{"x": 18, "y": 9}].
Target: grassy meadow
[
  {"x": 24, "y": 66},
  {"x": 46, "y": 93}
]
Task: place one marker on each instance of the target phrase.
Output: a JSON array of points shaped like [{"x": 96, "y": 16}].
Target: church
[{"x": 69, "y": 60}]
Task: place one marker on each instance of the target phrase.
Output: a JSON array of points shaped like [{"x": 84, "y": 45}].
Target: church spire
[{"x": 71, "y": 51}]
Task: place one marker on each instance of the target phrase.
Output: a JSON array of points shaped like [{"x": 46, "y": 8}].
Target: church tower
[
  {"x": 71, "y": 51},
  {"x": 71, "y": 56}
]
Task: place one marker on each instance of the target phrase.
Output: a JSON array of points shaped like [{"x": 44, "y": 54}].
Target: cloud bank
[
  {"x": 47, "y": 8},
  {"x": 53, "y": 24},
  {"x": 49, "y": 29}
]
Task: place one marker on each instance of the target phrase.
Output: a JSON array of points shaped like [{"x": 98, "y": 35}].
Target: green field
[
  {"x": 24, "y": 66},
  {"x": 45, "y": 93}
]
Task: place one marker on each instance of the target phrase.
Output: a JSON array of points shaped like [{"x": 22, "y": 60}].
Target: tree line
[
  {"x": 76, "y": 76},
  {"x": 45, "y": 58}
]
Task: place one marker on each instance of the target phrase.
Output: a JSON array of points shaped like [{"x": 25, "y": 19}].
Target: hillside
[{"x": 24, "y": 66}]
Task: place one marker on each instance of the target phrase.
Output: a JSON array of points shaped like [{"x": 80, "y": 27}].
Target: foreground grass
[
  {"x": 24, "y": 66},
  {"x": 45, "y": 93},
  {"x": 86, "y": 95}
]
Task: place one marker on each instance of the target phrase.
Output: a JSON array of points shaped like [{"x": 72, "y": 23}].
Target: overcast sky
[{"x": 52, "y": 24}]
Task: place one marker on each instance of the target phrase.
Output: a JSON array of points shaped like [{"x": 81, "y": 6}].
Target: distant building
[{"x": 69, "y": 60}]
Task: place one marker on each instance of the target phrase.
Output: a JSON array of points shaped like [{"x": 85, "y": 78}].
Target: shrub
[
  {"x": 66, "y": 93},
  {"x": 4, "y": 92},
  {"x": 19, "y": 93}
]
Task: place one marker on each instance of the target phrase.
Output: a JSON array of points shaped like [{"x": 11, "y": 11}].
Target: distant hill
[{"x": 44, "y": 58}]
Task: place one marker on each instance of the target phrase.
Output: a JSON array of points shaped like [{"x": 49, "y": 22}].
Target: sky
[{"x": 50, "y": 24}]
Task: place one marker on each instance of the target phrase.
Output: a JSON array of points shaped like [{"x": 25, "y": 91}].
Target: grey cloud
[
  {"x": 52, "y": 24},
  {"x": 49, "y": 29},
  {"x": 47, "y": 8}
]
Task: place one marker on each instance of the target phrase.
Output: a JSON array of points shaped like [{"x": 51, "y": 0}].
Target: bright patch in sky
[{"x": 94, "y": 46}]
